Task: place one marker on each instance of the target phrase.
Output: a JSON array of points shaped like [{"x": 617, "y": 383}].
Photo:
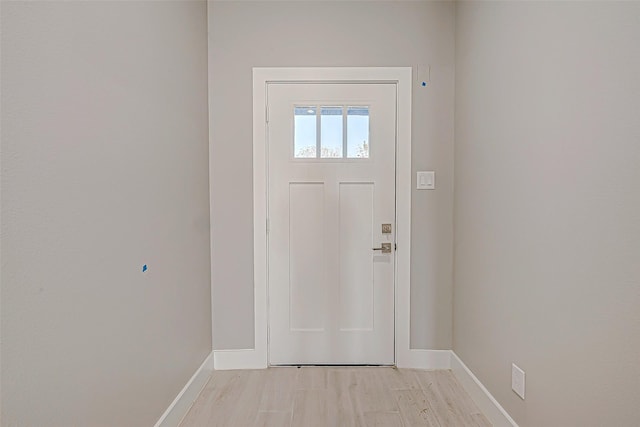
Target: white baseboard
[
  {"x": 183, "y": 401},
  {"x": 238, "y": 359},
  {"x": 480, "y": 395},
  {"x": 425, "y": 359}
]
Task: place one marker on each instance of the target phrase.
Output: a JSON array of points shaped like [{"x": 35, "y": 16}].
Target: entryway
[{"x": 319, "y": 212}]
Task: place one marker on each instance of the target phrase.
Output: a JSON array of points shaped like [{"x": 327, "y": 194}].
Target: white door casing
[
  {"x": 257, "y": 357},
  {"x": 330, "y": 294}
]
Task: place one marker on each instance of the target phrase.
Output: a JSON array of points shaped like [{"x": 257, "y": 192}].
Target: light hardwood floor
[{"x": 333, "y": 396}]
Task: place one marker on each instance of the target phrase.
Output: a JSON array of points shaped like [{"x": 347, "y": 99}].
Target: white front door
[{"x": 331, "y": 161}]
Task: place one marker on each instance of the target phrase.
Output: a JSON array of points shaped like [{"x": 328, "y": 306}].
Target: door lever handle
[{"x": 384, "y": 247}]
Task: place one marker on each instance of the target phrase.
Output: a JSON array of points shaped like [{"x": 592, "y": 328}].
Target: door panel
[
  {"x": 306, "y": 271},
  {"x": 356, "y": 270},
  {"x": 331, "y": 187}
]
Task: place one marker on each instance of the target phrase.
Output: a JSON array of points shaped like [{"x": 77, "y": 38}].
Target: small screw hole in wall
[{"x": 144, "y": 268}]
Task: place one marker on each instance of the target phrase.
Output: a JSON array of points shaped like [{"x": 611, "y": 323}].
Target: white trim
[
  {"x": 489, "y": 406},
  {"x": 238, "y": 359},
  {"x": 403, "y": 216},
  {"x": 189, "y": 393},
  {"x": 426, "y": 359},
  {"x": 402, "y": 77},
  {"x": 211, "y": 164},
  {"x": 260, "y": 214}
]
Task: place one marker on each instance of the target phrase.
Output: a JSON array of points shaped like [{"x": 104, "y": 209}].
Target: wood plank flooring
[{"x": 334, "y": 396}]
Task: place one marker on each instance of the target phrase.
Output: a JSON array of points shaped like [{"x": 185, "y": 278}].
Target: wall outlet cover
[{"x": 517, "y": 380}]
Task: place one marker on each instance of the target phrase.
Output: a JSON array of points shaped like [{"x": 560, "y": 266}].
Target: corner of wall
[
  {"x": 187, "y": 396},
  {"x": 489, "y": 406}
]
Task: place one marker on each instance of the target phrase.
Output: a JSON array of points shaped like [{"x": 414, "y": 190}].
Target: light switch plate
[{"x": 426, "y": 180}]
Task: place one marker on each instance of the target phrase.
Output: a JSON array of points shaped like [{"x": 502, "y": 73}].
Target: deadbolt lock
[
  {"x": 385, "y": 248},
  {"x": 386, "y": 228}
]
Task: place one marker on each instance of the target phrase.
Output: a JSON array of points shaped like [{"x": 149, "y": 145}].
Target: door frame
[{"x": 402, "y": 78}]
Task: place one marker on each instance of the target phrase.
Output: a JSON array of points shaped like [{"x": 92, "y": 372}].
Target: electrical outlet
[{"x": 517, "y": 380}]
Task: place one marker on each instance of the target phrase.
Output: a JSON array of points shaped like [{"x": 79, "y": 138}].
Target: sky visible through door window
[
  {"x": 358, "y": 132},
  {"x": 339, "y": 132},
  {"x": 331, "y": 132},
  {"x": 305, "y": 132}
]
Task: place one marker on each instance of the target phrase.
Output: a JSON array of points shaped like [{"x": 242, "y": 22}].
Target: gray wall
[
  {"x": 104, "y": 169},
  {"x": 276, "y": 34},
  {"x": 547, "y": 207}
]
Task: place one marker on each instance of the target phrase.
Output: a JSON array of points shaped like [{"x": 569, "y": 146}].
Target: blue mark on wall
[
  {"x": 144, "y": 268},
  {"x": 424, "y": 84}
]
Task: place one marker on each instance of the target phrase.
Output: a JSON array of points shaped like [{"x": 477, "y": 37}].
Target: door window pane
[
  {"x": 342, "y": 132},
  {"x": 331, "y": 132},
  {"x": 304, "y": 139},
  {"x": 358, "y": 132}
]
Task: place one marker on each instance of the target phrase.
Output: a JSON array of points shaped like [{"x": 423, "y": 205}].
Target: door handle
[{"x": 384, "y": 247}]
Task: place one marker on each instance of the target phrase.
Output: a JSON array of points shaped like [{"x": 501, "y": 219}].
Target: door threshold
[{"x": 329, "y": 365}]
